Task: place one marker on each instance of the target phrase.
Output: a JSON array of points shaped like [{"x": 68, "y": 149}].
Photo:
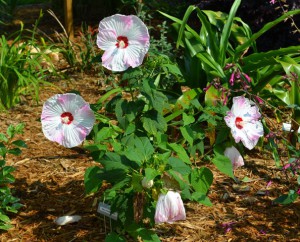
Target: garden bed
[
  {"x": 49, "y": 183},
  {"x": 50, "y": 178}
]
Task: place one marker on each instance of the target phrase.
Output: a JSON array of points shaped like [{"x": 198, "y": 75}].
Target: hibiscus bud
[
  {"x": 169, "y": 208},
  {"x": 231, "y": 80},
  {"x": 234, "y": 155},
  {"x": 147, "y": 183}
]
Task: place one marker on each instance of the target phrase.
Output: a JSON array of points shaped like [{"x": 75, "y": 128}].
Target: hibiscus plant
[{"x": 153, "y": 142}]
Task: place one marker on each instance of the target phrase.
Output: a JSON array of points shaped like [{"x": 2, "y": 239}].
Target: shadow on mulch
[{"x": 45, "y": 201}]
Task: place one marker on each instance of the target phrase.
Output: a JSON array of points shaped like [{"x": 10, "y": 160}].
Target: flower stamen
[
  {"x": 239, "y": 122},
  {"x": 67, "y": 118},
  {"x": 122, "y": 42}
]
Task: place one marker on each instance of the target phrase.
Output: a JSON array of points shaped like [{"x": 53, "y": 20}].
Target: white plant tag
[{"x": 104, "y": 209}]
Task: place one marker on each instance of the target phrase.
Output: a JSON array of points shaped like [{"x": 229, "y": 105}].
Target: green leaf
[
  {"x": 113, "y": 161},
  {"x": 19, "y": 143},
  {"x": 287, "y": 198},
  {"x": 151, "y": 173},
  {"x": 10, "y": 131},
  {"x": 240, "y": 49},
  {"x": 3, "y": 150},
  {"x": 147, "y": 235},
  {"x": 154, "y": 122},
  {"x": 177, "y": 181},
  {"x": 156, "y": 98},
  {"x": 208, "y": 59},
  {"x": 223, "y": 163},
  {"x": 179, "y": 166},
  {"x": 114, "y": 237},
  {"x": 180, "y": 151},
  {"x": 201, "y": 179},
  {"x": 187, "y": 119},
  {"x": 141, "y": 151},
  {"x": 93, "y": 179},
  {"x": 226, "y": 31},
  {"x": 105, "y": 133},
  {"x": 14, "y": 151},
  {"x": 136, "y": 182},
  {"x": 201, "y": 198},
  {"x": 187, "y": 134},
  {"x": 3, "y": 138},
  {"x": 4, "y": 218},
  {"x": 184, "y": 101}
]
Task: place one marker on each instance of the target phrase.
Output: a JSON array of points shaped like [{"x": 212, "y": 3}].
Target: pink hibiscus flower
[
  {"x": 169, "y": 208},
  {"x": 67, "y": 119},
  {"x": 234, "y": 155},
  {"x": 243, "y": 119},
  {"x": 125, "y": 41}
]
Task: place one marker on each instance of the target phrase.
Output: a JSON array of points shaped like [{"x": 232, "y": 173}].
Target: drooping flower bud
[
  {"x": 169, "y": 208},
  {"x": 147, "y": 183},
  {"x": 234, "y": 155}
]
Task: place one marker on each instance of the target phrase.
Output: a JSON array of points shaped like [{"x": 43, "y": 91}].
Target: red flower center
[
  {"x": 66, "y": 118},
  {"x": 122, "y": 42},
  {"x": 239, "y": 122}
]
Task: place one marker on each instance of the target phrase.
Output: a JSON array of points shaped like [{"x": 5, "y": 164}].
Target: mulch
[{"x": 49, "y": 183}]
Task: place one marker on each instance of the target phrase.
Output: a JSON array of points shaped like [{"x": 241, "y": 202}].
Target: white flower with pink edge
[
  {"x": 67, "y": 119},
  {"x": 234, "y": 155},
  {"x": 125, "y": 41},
  {"x": 169, "y": 208},
  {"x": 244, "y": 121}
]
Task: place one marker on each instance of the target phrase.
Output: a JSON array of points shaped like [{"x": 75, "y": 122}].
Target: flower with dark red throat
[
  {"x": 244, "y": 121},
  {"x": 125, "y": 41},
  {"x": 67, "y": 119}
]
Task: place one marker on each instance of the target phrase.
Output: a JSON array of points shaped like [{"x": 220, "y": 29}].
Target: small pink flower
[
  {"x": 272, "y": 1},
  {"x": 125, "y": 41},
  {"x": 234, "y": 155},
  {"x": 67, "y": 119},
  {"x": 243, "y": 119},
  {"x": 169, "y": 208}
]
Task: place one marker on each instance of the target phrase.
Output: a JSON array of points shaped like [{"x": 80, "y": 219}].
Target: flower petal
[
  {"x": 234, "y": 155},
  {"x": 169, "y": 208},
  {"x": 249, "y": 135}
]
